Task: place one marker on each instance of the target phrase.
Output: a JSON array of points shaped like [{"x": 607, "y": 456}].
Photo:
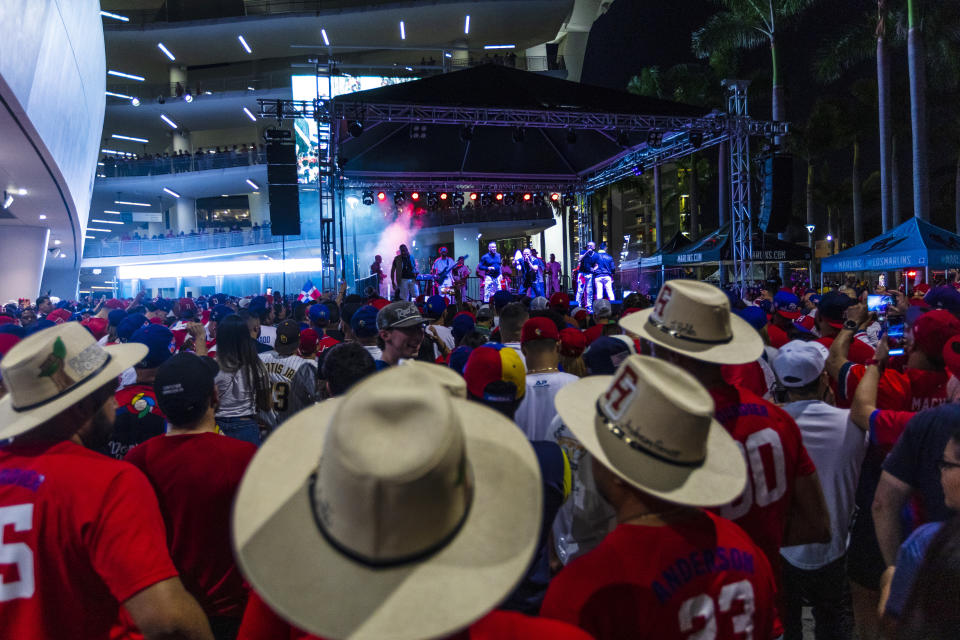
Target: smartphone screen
[
  {"x": 269, "y": 291},
  {"x": 895, "y": 352},
  {"x": 878, "y": 304},
  {"x": 895, "y": 330}
]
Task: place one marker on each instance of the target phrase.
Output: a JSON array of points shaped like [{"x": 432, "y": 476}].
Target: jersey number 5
[
  {"x": 701, "y": 607},
  {"x": 758, "y": 489},
  {"x": 281, "y": 396},
  {"x": 21, "y": 518}
]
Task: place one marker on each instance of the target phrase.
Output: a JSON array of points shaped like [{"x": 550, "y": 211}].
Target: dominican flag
[{"x": 309, "y": 291}]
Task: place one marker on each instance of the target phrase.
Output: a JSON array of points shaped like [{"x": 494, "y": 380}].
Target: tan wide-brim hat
[
  {"x": 694, "y": 318},
  {"x": 663, "y": 440},
  {"x": 291, "y": 562},
  {"x": 54, "y": 369}
]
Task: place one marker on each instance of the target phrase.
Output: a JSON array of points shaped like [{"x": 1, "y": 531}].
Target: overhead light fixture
[
  {"x": 623, "y": 139},
  {"x": 499, "y": 46},
  {"x": 110, "y": 211},
  {"x": 135, "y": 102},
  {"x": 253, "y": 184},
  {"x": 218, "y": 268},
  {"x": 571, "y": 136},
  {"x": 121, "y": 74},
  {"x": 466, "y": 133},
  {"x": 447, "y": 54},
  {"x": 249, "y": 114},
  {"x": 519, "y": 134},
  {"x": 43, "y": 216},
  {"x": 117, "y": 153},
  {"x": 250, "y": 89},
  {"x": 243, "y": 42},
  {"x": 132, "y": 204},
  {"x": 130, "y": 138},
  {"x": 173, "y": 125},
  {"x": 381, "y": 196},
  {"x": 97, "y": 272},
  {"x": 57, "y": 242},
  {"x": 326, "y": 40},
  {"x": 188, "y": 97},
  {"x": 90, "y": 237},
  {"x": 171, "y": 192},
  {"x": 466, "y": 24},
  {"x": 123, "y": 96},
  {"x": 21, "y": 191},
  {"x": 101, "y": 230},
  {"x": 7, "y": 200},
  {"x": 166, "y": 51},
  {"x": 398, "y": 198},
  {"x": 403, "y": 31},
  {"x": 696, "y": 138},
  {"x": 106, "y": 221},
  {"x": 655, "y": 138},
  {"x": 114, "y": 16}
]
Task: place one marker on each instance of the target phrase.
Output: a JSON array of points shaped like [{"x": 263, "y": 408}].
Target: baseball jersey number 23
[
  {"x": 702, "y": 608},
  {"x": 17, "y": 553}
]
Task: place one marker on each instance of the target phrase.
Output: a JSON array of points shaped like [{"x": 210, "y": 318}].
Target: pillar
[
  {"x": 259, "y": 203},
  {"x": 465, "y": 242},
  {"x": 23, "y": 255},
  {"x": 177, "y": 74},
  {"x": 180, "y": 141},
  {"x": 183, "y": 215},
  {"x": 658, "y": 205}
]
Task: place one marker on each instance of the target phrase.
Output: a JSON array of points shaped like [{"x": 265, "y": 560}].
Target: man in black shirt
[
  {"x": 603, "y": 270},
  {"x": 403, "y": 274},
  {"x": 585, "y": 277}
]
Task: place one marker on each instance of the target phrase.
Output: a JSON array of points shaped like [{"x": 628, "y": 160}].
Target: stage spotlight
[
  {"x": 519, "y": 134},
  {"x": 623, "y": 139},
  {"x": 571, "y": 136},
  {"x": 444, "y": 196},
  {"x": 367, "y": 198},
  {"x": 655, "y": 138},
  {"x": 466, "y": 133},
  {"x": 415, "y": 196},
  {"x": 473, "y": 196},
  {"x": 135, "y": 102},
  {"x": 458, "y": 200},
  {"x": 188, "y": 97},
  {"x": 398, "y": 198},
  {"x": 381, "y": 196},
  {"x": 527, "y": 197},
  {"x": 555, "y": 197},
  {"x": 568, "y": 200},
  {"x": 486, "y": 199},
  {"x": 696, "y": 138},
  {"x": 355, "y": 128},
  {"x": 499, "y": 197},
  {"x": 638, "y": 169}
]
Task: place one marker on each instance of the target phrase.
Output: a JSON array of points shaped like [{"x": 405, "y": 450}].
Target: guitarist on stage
[
  {"x": 461, "y": 273},
  {"x": 442, "y": 272}
]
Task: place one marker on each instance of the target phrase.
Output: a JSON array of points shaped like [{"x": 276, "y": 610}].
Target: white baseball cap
[{"x": 798, "y": 363}]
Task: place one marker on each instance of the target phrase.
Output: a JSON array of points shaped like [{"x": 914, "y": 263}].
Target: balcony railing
[
  {"x": 167, "y": 164},
  {"x": 185, "y": 10},
  {"x": 199, "y": 87}
]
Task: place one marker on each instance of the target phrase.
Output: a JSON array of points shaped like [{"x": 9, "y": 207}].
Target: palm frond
[
  {"x": 839, "y": 54},
  {"x": 727, "y": 31}
]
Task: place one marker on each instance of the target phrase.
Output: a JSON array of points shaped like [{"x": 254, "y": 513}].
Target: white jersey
[
  {"x": 536, "y": 410},
  {"x": 294, "y": 385},
  {"x": 268, "y": 335}
]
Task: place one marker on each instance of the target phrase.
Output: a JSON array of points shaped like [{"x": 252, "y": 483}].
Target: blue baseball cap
[
  {"x": 436, "y": 305},
  {"x": 364, "y": 321},
  {"x": 258, "y": 304},
  {"x": 219, "y": 312},
  {"x": 462, "y": 325},
  {"x": 129, "y": 325},
  {"x": 160, "y": 345},
  {"x": 787, "y": 305},
  {"x": 501, "y": 299},
  {"x": 754, "y": 315},
  {"x": 319, "y": 314},
  {"x": 459, "y": 357}
]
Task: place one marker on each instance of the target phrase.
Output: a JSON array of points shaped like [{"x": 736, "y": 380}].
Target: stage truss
[{"x": 667, "y": 138}]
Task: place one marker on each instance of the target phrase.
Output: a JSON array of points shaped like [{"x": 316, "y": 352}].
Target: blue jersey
[{"x": 487, "y": 261}]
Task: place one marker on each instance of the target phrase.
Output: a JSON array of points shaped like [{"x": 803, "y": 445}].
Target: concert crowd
[{"x": 406, "y": 462}]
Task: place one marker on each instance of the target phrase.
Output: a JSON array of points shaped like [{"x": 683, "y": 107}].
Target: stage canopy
[
  {"x": 915, "y": 243},
  {"x": 498, "y": 148},
  {"x": 716, "y": 247},
  {"x": 677, "y": 243}
]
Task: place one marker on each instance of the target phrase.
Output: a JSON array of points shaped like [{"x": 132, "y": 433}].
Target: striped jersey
[{"x": 294, "y": 383}]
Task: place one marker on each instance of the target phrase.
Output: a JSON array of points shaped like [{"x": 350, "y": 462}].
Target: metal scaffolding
[{"x": 740, "y": 198}]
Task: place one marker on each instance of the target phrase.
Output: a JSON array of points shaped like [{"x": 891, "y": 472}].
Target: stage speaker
[
  {"x": 282, "y": 183},
  {"x": 777, "y": 194}
]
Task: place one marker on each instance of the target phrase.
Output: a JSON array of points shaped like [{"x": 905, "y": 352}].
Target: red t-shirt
[
  {"x": 80, "y": 533},
  {"x": 668, "y": 582},
  {"x": 261, "y": 623},
  {"x": 196, "y": 477},
  {"x": 886, "y": 427},
  {"x": 749, "y": 376},
  {"x": 773, "y": 448},
  {"x": 912, "y": 390},
  {"x": 859, "y": 352},
  {"x": 325, "y": 343}
]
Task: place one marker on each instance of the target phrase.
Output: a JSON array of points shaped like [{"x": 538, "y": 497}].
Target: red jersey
[
  {"x": 325, "y": 343},
  {"x": 261, "y": 623},
  {"x": 702, "y": 574},
  {"x": 80, "y": 533},
  {"x": 859, "y": 352},
  {"x": 749, "y": 376},
  {"x": 196, "y": 501},
  {"x": 886, "y": 426},
  {"x": 778, "y": 337},
  {"x": 911, "y": 390},
  {"x": 773, "y": 448}
]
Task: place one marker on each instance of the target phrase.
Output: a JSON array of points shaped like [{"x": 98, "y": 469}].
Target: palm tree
[
  {"x": 883, "y": 114},
  {"x": 918, "y": 110}
]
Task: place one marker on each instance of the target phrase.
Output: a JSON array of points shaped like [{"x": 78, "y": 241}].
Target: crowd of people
[
  {"x": 181, "y": 161},
  {"x": 690, "y": 465}
]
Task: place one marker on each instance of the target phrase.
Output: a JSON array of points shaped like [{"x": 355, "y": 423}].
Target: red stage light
[
  {"x": 526, "y": 197},
  {"x": 473, "y": 196},
  {"x": 911, "y": 274},
  {"x": 499, "y": 196},
  {"x": 443, "y": 196},
  {"x": 414, "y": 196},
  {"x": 381, "y": 196},
  {"x": 555, "y": 196}
]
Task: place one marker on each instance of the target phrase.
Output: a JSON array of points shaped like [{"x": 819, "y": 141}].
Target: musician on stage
[
  {"x": 489, "y": 269},
  {"x": 553, "y": 275},
  {"x": 442, "y": 272},
  {"x": 461, "y": 273},
  {"x": 585, "y": 277},
  {"x": 403, "y": 275},
  {"x": 383, "y": 285},
  {"x": 531, "y": 274}
]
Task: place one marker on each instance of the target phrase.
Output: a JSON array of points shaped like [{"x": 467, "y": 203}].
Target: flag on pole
[{"x": 309, "y": 291}]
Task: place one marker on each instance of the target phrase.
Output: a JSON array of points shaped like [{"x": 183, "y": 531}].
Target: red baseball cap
[
  {"x": 572, "y": 342},
  {"x": 309, "y": 339},
  {"x": 560, "y": 299},
  {"x": 97, "y": 326},
  {"x": 59, "y": 316},
  {"x": 379, "y": 303},
  {"x": 539, "y": 329},
  {"x": 932, "y": 330},
  {"x": 494, "y": 372},
  {"x": 115, "y": 303},
  {"x": 921, "y": 289},
  {"x": 7, "y": 320},
  {"x": 7, "y": 340}
]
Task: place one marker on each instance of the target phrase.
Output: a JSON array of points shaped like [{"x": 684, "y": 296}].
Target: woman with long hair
[{"x": 243, "y": 385}]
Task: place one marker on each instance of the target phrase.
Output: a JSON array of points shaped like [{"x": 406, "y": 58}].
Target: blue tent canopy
[{"x": 914, "y": 243}]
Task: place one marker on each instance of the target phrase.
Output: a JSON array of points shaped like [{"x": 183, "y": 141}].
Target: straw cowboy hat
[
  {"x": 419, "y": 372},
  {"x": 693, "y": 318},
  {"x": 53, "y": 369},
  {"x": 397, "y": 511},
  {"x": 652, "y": 424}
]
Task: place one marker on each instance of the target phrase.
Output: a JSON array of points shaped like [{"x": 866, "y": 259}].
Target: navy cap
[
  {"x": 459, "y": 357},
  {"x": 258, "y": 304},
  {"x": 787, "y": 305},
  {"x": 129, "y": 325},
  {"x": 319, "y": 314},
  {"x": 364, "y": 322},
  {"x": 462, "y": 325},
  {"x": 754, "y": 315},
  {"x": 219, "y": 312},
  {"x": 604, "y": 355},
  {"x": 501, "y": 299},
  {"x": 833, "y": 306},
  {"x": 184, "y": 386},
  {"x": 115, "y": 317},
  {"x": 160, "y": 345}
]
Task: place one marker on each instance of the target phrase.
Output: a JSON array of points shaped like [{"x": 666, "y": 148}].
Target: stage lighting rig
[
  {"x": 367, "y": 198},
  {"x": 415, "y": 196},
  {"x": 499, "y": 198},
  {"x": 696, "y": 138},
  {"x": 432, "y": 201},
  {"x": 399, "y": 198},
  {"x": 510, "y": 199},
  {"x": 519, "y": 134},
  {"x": 381, "y": 196},
  {"x": 623, "y": 139},
  {"x": 526, "y": 198},
  {"x": 458, "y": 199},
  {"x": 473, "y": 197},
  {"x": 568, "y": 200},
  {"x": 555, "y": 198},
  {"x": 655, "y": 138},
  {"x": 466, "y": 133}
]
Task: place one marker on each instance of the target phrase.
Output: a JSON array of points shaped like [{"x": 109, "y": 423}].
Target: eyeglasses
[{"x": 943, "y": 465}]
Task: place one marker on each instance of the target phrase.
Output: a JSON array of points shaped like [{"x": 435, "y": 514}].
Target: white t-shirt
[
  {"x": 536, "y": 410},
  {"x": 268, "y": 335},
  {"x": 446, "y": 336},
  {"x": 837, "y": 447}
]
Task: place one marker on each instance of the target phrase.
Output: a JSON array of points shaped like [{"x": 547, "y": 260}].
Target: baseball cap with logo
[
  {"x": 288, "y": 337},
  {"x": 693, "y": 318},
  {"x": 932, "y": 330},
  {"x": 560, "y": 301},
  {"x": 606, "y": 353},
  {"x": 539, "y": 329},
  {"x": 652, "y": 424},
  {"x": 501, "y": 299},
  {"x": 319, "y": 314},
  {"x": 160, "y": 344},
  {"x": 183, "y": 385},
  {"x": 398, "y": 315},
  {"x": 833, "y": 308},
  {"x": 495, "y": 373},
  {"x": 572, "y": 342},
  {"x": 435, "y": 306},
  {"x": 602, "y": 308},
  {"x": 787, "y": 305},
  {"x": 799, "y": 363},
  {"x": 309, "y": 339},
  {"x": 219, "y": 312},
  {"x": 59, "y": 316},
  {"x": 364, "y": 322}
]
